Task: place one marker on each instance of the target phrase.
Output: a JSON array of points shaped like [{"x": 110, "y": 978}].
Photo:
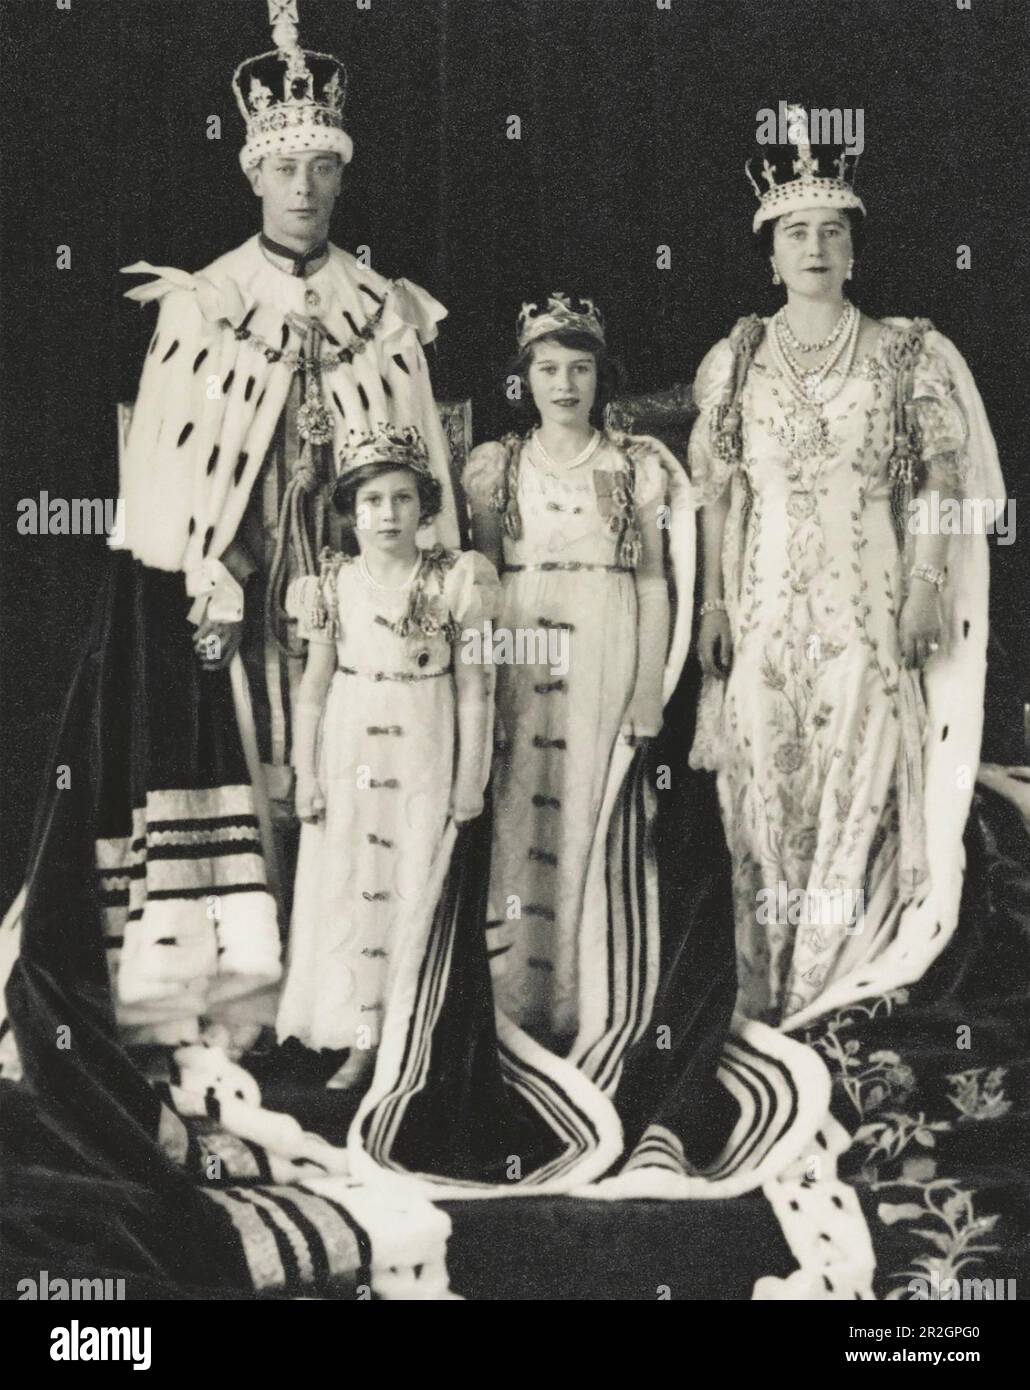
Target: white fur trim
[{"x": 299, "y": 139}]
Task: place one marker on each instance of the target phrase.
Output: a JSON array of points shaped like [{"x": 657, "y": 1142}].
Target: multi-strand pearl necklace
[
  {"x": 809, "y": 384},
  {"x": 795, "y": 343}
]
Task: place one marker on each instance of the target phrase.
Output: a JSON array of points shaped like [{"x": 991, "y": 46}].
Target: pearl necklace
[
  {"x": 795, "y": 343},
  {"x": 809, "y": 386},
  {"x": 387, "y": 588},
  {"x": 581, "y": 457}
]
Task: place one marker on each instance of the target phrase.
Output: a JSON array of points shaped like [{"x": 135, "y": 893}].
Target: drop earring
[
  {"x": 851, "y": 268},
  {"x": 776, "y": 276}
]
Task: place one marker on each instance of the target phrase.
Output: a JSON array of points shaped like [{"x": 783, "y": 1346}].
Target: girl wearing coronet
[
  {"x": 572, "y": 513},
  {"x": 843, "y": 650},
  {"x": 403, "y": 742}
]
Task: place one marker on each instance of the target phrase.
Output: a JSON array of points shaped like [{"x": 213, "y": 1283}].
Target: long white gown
[
  {"x": 559, "y": 725},
  {"x": 385, "y": 767},
  {"x": 818, "y": 730}
]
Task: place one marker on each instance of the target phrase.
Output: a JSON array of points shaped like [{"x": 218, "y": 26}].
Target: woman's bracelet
[
  {"x": 931, "y": 575},
  {"x": 713, "y": 605}
]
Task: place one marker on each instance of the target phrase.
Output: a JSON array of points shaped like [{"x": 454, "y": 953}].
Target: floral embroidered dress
[
  {"x": 568, "y": 573},
  {"x": 386, "y": 762},
  {"x": 818, "y": 730}
]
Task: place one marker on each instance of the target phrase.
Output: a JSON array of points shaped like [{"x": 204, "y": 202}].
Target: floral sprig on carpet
[
  {"x": 869, "y": 1082},
  {"x": 888, "y": 1137},
  {"x": 957, "y": 1241},
  {"x": 977, "y": 1099}
]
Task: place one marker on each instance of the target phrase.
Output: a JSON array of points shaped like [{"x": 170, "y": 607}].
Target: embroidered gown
[
  {"x": 558, "y": 726},
  {"x": 386, "y": 761},
  {"x": 818, "y": 730}
]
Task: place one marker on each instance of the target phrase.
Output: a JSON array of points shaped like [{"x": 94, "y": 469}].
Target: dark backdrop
[{"x": 635, "y": 125}]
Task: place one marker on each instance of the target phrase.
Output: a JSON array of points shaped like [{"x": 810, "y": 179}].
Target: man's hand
[{"x": 217, "y": 643}]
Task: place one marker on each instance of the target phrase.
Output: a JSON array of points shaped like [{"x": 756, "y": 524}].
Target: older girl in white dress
[
  {"x": 391, "y": 738},
  {"x": 572, "y": 515}
]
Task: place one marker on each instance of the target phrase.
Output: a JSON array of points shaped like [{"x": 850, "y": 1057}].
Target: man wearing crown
[{"x": 260, "y": 367}]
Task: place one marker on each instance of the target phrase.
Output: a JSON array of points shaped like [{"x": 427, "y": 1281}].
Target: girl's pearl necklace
[
  {"x": 809, "y": 386},
  {"x": 796, "y": 345},
  {"x": 581, "y": 457},
  {"x": 387, "y": 588}
]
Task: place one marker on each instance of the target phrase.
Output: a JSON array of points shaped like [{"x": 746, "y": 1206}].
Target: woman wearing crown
[
  {"x": 572, "y": 514},
  {"x": 843, "y": 649},
  {"x": 404, "y": 732}
]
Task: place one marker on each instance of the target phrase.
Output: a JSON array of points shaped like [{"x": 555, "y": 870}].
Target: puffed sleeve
[
  {"x": 649, "y": 480},
  {"x": 710, "y": 473},
  {"x": 942, "y": 424},
  {"x": 484, "y": 474},
  {"x": 472, "y": 590},
  {"x": 306, "y": 606}
]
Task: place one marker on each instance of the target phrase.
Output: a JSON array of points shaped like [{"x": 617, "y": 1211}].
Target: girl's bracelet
[
  {"x": 932, "y": 576},
  {"x": 713, "y": 605}
]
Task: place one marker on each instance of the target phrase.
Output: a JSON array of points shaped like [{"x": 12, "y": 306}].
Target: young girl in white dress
[
  {"x": 572, "y": 513},
  {"x": 391, "y": 737}
]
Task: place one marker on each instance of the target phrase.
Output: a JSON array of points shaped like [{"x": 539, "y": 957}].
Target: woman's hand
[
  {"x": 643, "y": 717},
  {"x": 466, "y": 804},
  {"x": 217, "y": 643},
  {"x": 308, "y": 799},
  {"x": 919, "y": 625},
  {"x": 715, "y": 645}
]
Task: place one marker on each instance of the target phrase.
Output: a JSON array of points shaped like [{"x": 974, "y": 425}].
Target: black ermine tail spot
[
  {"x": 401, "y": 363},
  {"x": 387, "y": 387},
  {"x": 249, "y": 391},
  {"x": 199, "y": 359},
  {"x": 248, "y": 316},
  {"x": 208, "y": 537},
  {"x": 259, "y": 400},
  {"x": 363, "y": 396},
  {"x": 241, "y": 464},
  {"x": 375, "y": 298},
  {"x": 228, "y": 381},
  {"x": 335, "y": 341},
  {"x": 965, "y": 628},
  {"x": 153, "y": 344},
  {"x": 353, "y": 326},
  {"x": 192, "y": 526},
  {"x": 944, "y": 733},
  {"x": 285, "y": 336},
  {"x": 339, "y": 407},
  {"x": 213, "y": 459},
  {"x": 171, "y": 351},
  {"x": 187, "y": 430}
]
